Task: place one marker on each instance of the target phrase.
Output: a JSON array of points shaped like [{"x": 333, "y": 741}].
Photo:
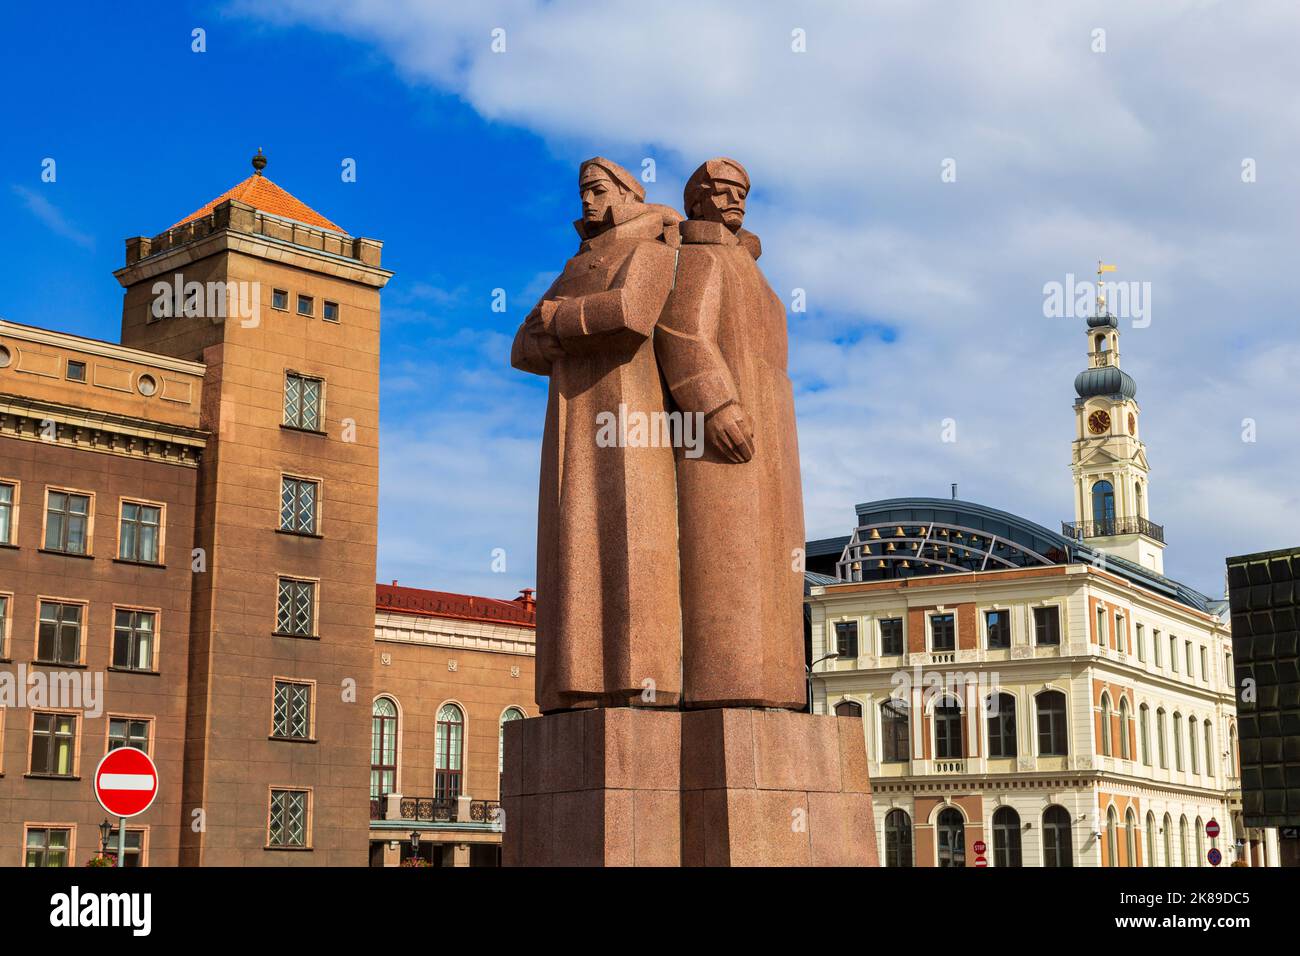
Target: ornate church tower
[{"x": 1111, "y": 494}]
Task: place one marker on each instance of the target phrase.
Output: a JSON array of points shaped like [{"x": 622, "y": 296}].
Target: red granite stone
[
  {"x": 794, "y": 751},
  {"x": 842, "y": 830},
  {"x": 854, "y": 776}
]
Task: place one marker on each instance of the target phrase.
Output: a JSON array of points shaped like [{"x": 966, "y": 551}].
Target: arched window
[
  {"x": 1103, "y": 506},
  {"x": 895, "y": 739},
  {"x": 848, "y": 708},
  {"x": 449, "y": 747},
  {"x": 1105, "y": 725},
  {"x": 1182, "y": 841},
  {"x": 1211, "y": 758},
  {"x": 1111, "y": 856},
  {"x": 1001, "y": 709},
  {"x": 1124, "y": 752},
  {"x": 1178, "y": 741},
  {"x": 1052, "y": 731},
  {"x": 1137, "y": 499},
  {"x": 1193, "y": 728},
  {"x": 511, "y": 713},
  {"x": 1057, "y": 845},
  {"x": 1144, "y": 732},
  {"x": 1169, "y": 840},
  {"x": 1160, "y": 738},
  {"x": 1130, "y": 837},
  {"x": 383, "y": 753},
  {"x": 1006, "y": 837},
  {"x": 1232, "y": 751},
  {"x": 1200, "y": 842},
  {"x": 898, "y": 838},
  {"x": 951, "y": 831},
  {"x": 1151, "y": 839},
  {"x": 947, "y": 729}
]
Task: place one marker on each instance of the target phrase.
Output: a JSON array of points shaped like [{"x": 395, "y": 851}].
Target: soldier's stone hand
[
  {"x": 730, "y": 432},
  {"x": 546, "y": 310}
]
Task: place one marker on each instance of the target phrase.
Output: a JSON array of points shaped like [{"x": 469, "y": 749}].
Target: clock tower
[{"x": 1109, "y": 463}]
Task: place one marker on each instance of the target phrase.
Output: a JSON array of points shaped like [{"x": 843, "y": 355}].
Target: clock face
[
  {"x": 1099, "y": 422},
  {"x": 1132, "y": 424}
]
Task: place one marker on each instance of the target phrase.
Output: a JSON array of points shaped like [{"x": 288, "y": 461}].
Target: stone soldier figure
[
  {"x": 608, "y": 617},
  {"x": 722, "y": 346}
]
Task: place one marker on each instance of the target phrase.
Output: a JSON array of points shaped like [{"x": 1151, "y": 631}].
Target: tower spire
[{"x": 259, "y": 162}]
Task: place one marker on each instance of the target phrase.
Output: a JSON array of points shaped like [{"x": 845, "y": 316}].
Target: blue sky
[{"x": 925, "y": 297}]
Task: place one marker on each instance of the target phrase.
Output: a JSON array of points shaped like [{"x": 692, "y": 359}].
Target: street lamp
[
  {"x": 808, "y": 672},
  {"x": 415, "y": 843},
  {"x": 105, "y": 830}
]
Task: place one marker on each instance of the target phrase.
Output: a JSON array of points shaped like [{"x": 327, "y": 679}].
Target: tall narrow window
[
  {"x": 291, "y": 710},
  {"x": 296, "y": 610},
  {"x": 1052, "y": 731},
  {"x": 383, "y": 753},
  {"x": 1205, "y": 666},
  {"x": 1151, "y": 839},
  {"x": 1155, "y": 648},
  {"x": 1160, "y": 739},
  {"x": 7, "y": 529},
  {"x": 1058, "y": 847},
  {"x": 1178, "y": 741},
  {"x": 1047, "y": 626},
  {"x": 1211, "y": 761},
  {"x": 298, "y": 498},
  {"x": 943, "y": 633},
  {"x": 1144, "y": 732},
  {"x": 947, "y": 729},
  {"x": 1199, "y": 830},
  {"x": 895, "y": 742},
  {"x": 4, "y": 625},
  {"x": 1124, "y": 752},
  {"x": 1105, "y": 725},
  {"x": 891, "y": 636},
  {"x": 1130, "y": 838},
  {"x": 511, "y": 713},
  {"x": 1191, "y": 662},
  {"x": 54, "y": 744},
  {"x": 1192, "y": 729},
  {"x": 1006, "y": 837},
  {"x": 998, "y": 625},
  {"x": 59, "y": 634},
  {"x": 133, "y": 639},
  {"x": 1111, "y": 856},
  {"x": 448, "y": 750},
  {"x": 951, "y": 832},
  {"x": 302, "y": 401},
  {"x": 128, "y": 732},
  {"x": 1169, "y": 840},
  {"x": 138, "y": 539},
  {"x": 288, "y": 827},
  {"x": 898, "y": 838},
  {"x": 1140, "y": 634},
  {"x": 846, "y": 639},
  {"x": 67, "y": 523},
  {"x": 1173, "y": 653},
  {"x": 1001, "y": 710},
  {"x": 1183, "y": 850},
  {"x": 1103, "y": 508}
]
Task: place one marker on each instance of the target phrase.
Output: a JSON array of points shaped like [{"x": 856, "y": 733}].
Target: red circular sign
[
  {"x": 126, "y": 782},
  {"x": 979, "y": 847},
  {"x": 980, "y": 861},
  {"x": 1212, "y": 829}
]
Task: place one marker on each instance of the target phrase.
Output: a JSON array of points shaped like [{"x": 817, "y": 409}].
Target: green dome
[{"x": 1094, "y": 382}]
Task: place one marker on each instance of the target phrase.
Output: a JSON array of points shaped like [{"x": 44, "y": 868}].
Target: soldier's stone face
[
  {"x": 721, "y": 200},
  {"x": 599, "y": 193}
]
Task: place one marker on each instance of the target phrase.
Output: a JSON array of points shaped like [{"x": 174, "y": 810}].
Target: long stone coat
[
  {"x": 722, "y": 338},
  {"x": 608, "y": 616}
]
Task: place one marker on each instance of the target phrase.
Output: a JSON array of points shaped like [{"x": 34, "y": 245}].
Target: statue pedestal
[{"x": 728, "y": 787}]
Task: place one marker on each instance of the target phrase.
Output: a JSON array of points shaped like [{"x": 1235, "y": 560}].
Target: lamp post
[
  {"x": 415, "y": 843},
  {"x": 808, "y": 671},
  {"x": 105, "y": 829}
]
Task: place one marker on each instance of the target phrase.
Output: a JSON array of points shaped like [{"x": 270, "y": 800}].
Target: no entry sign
[
  {"x": 981, "y": 861},
  {"x": 126, "y": 782},
  {"x": 1212, "y": 829}
]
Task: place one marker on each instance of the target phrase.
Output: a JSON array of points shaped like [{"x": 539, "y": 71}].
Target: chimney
[{"x": 526, "y": 598}]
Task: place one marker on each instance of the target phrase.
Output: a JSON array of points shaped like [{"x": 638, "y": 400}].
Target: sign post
[{"x": 126, "y": 783}]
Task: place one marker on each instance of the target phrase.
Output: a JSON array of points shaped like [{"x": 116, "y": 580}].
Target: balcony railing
[
  {"x": 436, "y": 810},
  {"x": 1079, "y": 530}
]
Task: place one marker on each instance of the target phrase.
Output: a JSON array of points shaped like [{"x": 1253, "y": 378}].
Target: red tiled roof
[
  {"x": 521, "y": 611},
  {"x": 260, "y": 193}
]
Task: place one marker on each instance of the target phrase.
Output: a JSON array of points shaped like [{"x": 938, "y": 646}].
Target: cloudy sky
[{"x": 1160, "y": 137}]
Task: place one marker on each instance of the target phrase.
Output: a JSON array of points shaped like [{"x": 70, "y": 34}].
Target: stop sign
[
  {"x": 1212, "y": 829},
  {"x": 979, "y": 847},
  {"x": 126, "y": 782}
]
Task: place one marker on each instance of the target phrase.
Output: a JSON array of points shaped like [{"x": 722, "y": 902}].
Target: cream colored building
[{"x": 1050, "y": 696}]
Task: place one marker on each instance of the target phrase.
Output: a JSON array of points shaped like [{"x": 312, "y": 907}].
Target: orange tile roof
[
  {"x": 260, "y": 193},
  {"x": 403, "y": 600}
]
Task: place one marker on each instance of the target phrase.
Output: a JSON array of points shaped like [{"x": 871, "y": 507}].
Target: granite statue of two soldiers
[{"x": 666, "y": 576}]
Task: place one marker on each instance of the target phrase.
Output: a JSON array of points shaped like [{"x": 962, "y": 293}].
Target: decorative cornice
[
  {"x": 122, "y": 353},
  {"x": 27, "y": 419}
]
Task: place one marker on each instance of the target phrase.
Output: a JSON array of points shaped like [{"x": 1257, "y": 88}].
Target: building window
[
  {"x": 846, "y": 639},
  {"x": 280, "y": 299},
  {"x": 943, "y": 632},
  {"x": 1105, "y": 725},
  {"x": 1111, "y": 855},
  {"x": 1178, "y": 741},
  {"x": 8, "y": 493},
  {"x": 1052, "y": 731},
  {"x": 331, "y": 313},
  {"x": 1160, "y": 738},
  {"x": 1102, "y": 637},
  {"x": 1119, "y": 634},
  {"x": 448, "y": 752},
  {"x": 1173, "y": 653},
  {"x": 48, "y": 846},
  {"x": 302, "y": 402},
  {"x": 76, "y": 371},
  {"x": 1183, "y": 851},
  {"x": 306, "y": 305},
  {"x": 1199, "y": 830},
  {"x": 511, "y": 713},
  {"x": 1210, "y": 760},
  {"x": 848, "y": 708},
  {"x": 1006, "y": 837},
  {"x": 4, "y": 626},
  {"x": 947, "y": 729},
  {"x": 1047, "y": 626},
  {"x": 54, "y": 744},
  {"x": 1124, "y": 752},
  {"x": 59, "y": 634},
  {"x": 1169, "y": 840},
  {"x": 1001, "y": 724},
  {"x": 1192, "y": 728},
  {"x": 1151, "y": 839},
  {"x": 1130, "y": 838},
  {"x": 134, "y": 846},
  {"x": 383, "y": 752},
  {"x": 133, "y": 639},
  {"x": 128, "y": 732},
  {"x": 1191, "y": 663},
  {"x": 1155, "y": 648},
  {"x": 296, "y": 611},
  {"x": 288, "y": 826},
  {"x": 298, "y": 499},
  {"x": 140, "y": 532},
  {"x": 1103, "y": 508},
  {"x": 998, "y": 625},
  {"x": 67, "y": 523},
  {"x": 898, "y": 838},
  {"x": 1141, "y": 643},
  {"x": 951, "y": 832},
  {"x": 1057, "y": 845},
  {"x": 895, "y": 737},
  {"x": 891, "y": 636},
  {"x": 1144, "y": 732},
  {"x": 1205, "y": 666},
  {"x": 291, "y": 710}
]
